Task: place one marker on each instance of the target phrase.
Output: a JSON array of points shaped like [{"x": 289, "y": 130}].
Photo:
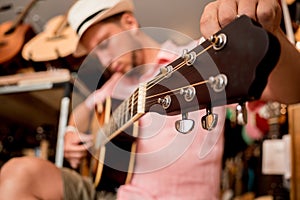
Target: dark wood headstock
[
  {"x": 239, "y": 58},
  {"x": 246, "y": 55}
]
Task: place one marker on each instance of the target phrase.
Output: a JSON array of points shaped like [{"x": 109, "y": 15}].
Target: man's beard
[{"x": 137, "y": 70}]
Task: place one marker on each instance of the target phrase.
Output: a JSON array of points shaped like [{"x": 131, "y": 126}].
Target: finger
[
  {"x": 76, "y": 138},
  {"x": 75, "y": 155},
  {"x": 84, "y": 138},
  {"x": 269, "y": 14},
  {"x": 88, "y": 144},
  {"x": 78, "y": 148},
  {"x": 71, "y": 137},
  {"x": 209, "y": 20},
  {"x": 227, "y": 12},
  {"x": 247, "y": 7},
  {"x": 74, "y": 163}
]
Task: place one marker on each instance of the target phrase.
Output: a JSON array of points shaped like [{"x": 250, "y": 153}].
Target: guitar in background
[
  {"x": 13, "y": 36},
  {"x": 55, "y": 45},
  {"x": 272, "y": 158}
]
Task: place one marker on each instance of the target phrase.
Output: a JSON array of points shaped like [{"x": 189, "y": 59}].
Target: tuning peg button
[
  {"x": 209, "y": 121},
  {"x": 165, "y": 102},
  {"x": 189, "y": 57},
  {"x": 184, "y": 125},
  {"x": 218, "y": 41},
  {"x": 188, "y": 93}
]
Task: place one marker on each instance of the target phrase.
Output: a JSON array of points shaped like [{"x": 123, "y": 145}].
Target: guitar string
[
  {"x": 154, "y": 82},
  {"x": 162, "y": 76},
  {"x": 177, "y": 89}
]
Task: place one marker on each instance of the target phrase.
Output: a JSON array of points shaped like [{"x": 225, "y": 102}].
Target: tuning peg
[
  {"x": 218, "y": 41},
  {"x": 165, "y": 102},
  {"x": 184, "y": 125},
  {"x": 189, "y": 57},
  {"x": 188, "y": 93},
  {"x": 218, "y": 83},
  {"x": 241, "y": 114},
  {"x": 166, "y": 70},
  {"x": 209, "y": 121}
]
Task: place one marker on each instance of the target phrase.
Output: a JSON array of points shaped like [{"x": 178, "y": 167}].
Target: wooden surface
[{"x": 294, "y": 129}]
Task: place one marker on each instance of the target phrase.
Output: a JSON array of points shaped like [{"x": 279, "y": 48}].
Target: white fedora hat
[{"x": 85, "y": 13}]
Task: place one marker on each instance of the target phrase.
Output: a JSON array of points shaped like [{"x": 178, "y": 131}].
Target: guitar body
[
  {"x": 48, "y": 45},
  {"x": 13, "y": 36},
  {"x": 112, "y": 164},
  {"x": 11, "y": 43}
]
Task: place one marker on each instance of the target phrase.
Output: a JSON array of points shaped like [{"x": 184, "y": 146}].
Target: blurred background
[
  {"x": 174, "y": 14},
  {"x": 30, "y": 116}
]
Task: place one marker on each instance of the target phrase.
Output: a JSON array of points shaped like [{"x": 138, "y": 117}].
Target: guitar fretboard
[{"x": 125, "y": 114}]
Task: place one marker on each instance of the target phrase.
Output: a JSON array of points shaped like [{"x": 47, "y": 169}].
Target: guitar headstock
[{"x": 231, "y": 67}]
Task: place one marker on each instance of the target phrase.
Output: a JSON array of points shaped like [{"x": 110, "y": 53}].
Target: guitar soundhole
[
  {"x": 10, "y": 31},
  {"x": 3, "y": 43}
]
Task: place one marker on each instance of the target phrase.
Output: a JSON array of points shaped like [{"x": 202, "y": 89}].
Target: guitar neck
[
  {"x": 126, "y": 113},
  {"x": 205, "y": 77},
  {"x": 21, "y": 16}
]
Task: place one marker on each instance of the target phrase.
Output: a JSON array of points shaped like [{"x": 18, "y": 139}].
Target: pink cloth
[{"x": 171, "y": 165}]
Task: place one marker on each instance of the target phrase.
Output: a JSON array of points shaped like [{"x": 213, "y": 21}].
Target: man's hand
[
  {"x": 76, "y": 145},
  {"x": 219, "y": 13}
]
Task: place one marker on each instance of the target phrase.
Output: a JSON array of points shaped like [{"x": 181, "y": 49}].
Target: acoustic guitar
[
  {"x": 230, "y": 67},
  {"x": 58, "y": 40},
  {"x": 14, "y": 34}
]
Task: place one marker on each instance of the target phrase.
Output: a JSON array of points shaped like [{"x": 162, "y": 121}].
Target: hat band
[{"x": 89, "y": 18}]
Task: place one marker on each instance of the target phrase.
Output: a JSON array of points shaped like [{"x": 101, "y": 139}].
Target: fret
[
  {"x": 123, "y": 113},
  {"x": 134, "y": 108},
  {"x": 115, "y": 118},
  {"x": 112, "y": 126},
  {"x": 105, "y": 130},
  {"x": 119, "y": 123},
  {"x": 127, "y": 110},
  {"x": 132, "y": 104}
]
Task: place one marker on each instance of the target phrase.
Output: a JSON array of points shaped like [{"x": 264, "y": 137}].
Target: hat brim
[{"x": 122, "y": 6}]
